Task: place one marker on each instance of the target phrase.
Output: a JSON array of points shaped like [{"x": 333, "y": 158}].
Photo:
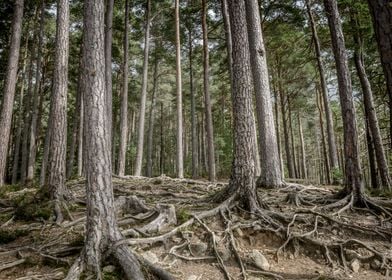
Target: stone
[
  {"x": 260, "y": 260},
  {"x": 257, "y": 228},
  {"x": 193, "y": 277},
  {"x": 109, "y": 269},
  {"x": 375, "y": 264},
  {"x": 239, "y": 232},
  {"x": 150, "y": 256},
  {"x": 355, "y": 265},
  {"x": 198, "y": 248}
]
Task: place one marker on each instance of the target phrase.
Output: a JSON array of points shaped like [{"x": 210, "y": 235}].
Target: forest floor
[{"x": 354, "y": 244}]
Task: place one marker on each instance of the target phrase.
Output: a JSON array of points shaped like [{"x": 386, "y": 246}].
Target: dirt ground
[{"x": 355, "y": 244}]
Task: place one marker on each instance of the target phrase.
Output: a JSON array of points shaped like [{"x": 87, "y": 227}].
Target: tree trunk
[
  {"x": 304, "y": 171},
  {"x": 124, "y": 99},
  {"x": 289, "y": 162},
  {"x": 9, "y": 86},
  {"x": 207, "y": 98},
  {"x": 179, "y": 158},
  {"x": 152, "y": 117},
  {"x": 102, "y": 231},
  {"x": 143, "y": 98},
  {"x": 372, "y": 117},
  {"x": 353, "y": 177},
  {"x": 108, "y": 64},
  {"x": 80, "y": 136},
  {"x": 371, "y": 157},
  {"x": 195, "y": 159},
  {"x": 58, "y": 141},
  {"x": 381, "y": 11},
  {"x": 15, "y": 164},
  {"x": 242, "y": 182},
  {"x": 334, "y": 163},
  {"x": 35, "y": 105},
  {"x": 271, "y": 175}
]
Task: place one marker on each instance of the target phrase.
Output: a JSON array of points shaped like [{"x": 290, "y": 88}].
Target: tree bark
[
  {"x": 195, "y": 156},
  {"x": 370, "y": 112},
  {"x": 35, "y": 105},
  {"x": 151, "y": 121},
  {"x": 108, "y": 63},
  {"x": 58, "y": 141},
  {"x": 353, "y": 177},
  {"x": 304, "y": 170},
  {"x": 381, "y": 11},
  {"x": 102, "y": 231},
  {"x": 124, "y": 99},
  {"x": 242, "y": 182},
  {"x": 289, "y": 161},
  {"x": 207, "y": 98},
  {"x": 271, "y": 175},
  {"x": 333, "y": 158},
  {"x": 9, "y": 86},
  {"x": 143, "y": 98},
  {"x": 179, "y": 158}
]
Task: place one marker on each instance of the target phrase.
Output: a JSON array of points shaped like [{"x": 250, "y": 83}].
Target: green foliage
[
  {"x": 33, "y": 206},
  {"x": 182, "y": 215},
  {"x": 4, "y": 190},
  {"x": 9, "y": 235},
  {"x": 380, "y": 193},
  {"x": 337, "y": 174}
]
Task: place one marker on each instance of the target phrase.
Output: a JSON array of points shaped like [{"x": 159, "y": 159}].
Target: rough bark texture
[
  {"x": 207, "y": 98},
  {"x": 304, "y": 171},
  {"x": 371, "y": 116},
  {"x": 143, "y": 97},
  {"x": 124, "y": 99},
  {"x": 36, "y": 99},
  {"x": 319, "y": 103},
  {"x": 333, "y": 158},
  {"x": 101, "y": 225},
  {"x": 180, "y": 156},
  {"x": 58, "y": 141},
  {"x": 289, "y": 161},
  {"x": 108, "y": 61},
  {"x": 353, "y": 176},
  {"x": 9, "y": 86},
  {"x": 269, "y": 156},
  {"x": 242, "y": 180},
  {"x": 381, "y": 11}
]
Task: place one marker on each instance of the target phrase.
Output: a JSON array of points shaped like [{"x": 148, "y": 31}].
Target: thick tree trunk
[
  {"x": 381, "y": 11},
  {"x": 207, "y": 98},
  {"x": 269, "y": 155},
  {"x": 242, "y": 182},
  {"x": 102, "y": 231},
  {"x": 289, "y": 162},
  {"x": 353, "y": 177},
  {"x": 80, "y": 136},
  {"x": 9, "y": 86},
  {"x": 333, "y": 158},
  {"x": 36, "y": 98},
  {"x": 371, "y": 157},
  {"x": 124, "y": 99},
  {"x": 151, "y": 121},
  {"x": 179, "y": 158},
  {"x": 143, "y": 98},
  {"x": 58, "y": 141},
  {"x": 195, "y": 156}
]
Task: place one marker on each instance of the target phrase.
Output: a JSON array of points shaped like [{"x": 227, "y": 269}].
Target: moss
[
  {"x": 4, "y": 190},
  {"x": 9, "y": 235},
  {"x": 157, "y": 181},
  {"x": 77, "y": 241},
  {"x": 182, "y": 215},
  {"x": 33, "y": 206},
  {"x": 380, "y": 193}
]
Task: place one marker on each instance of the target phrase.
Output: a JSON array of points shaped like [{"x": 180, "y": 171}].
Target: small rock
[
  {"x": 109, "y": 269},
  {"x": 150, "y": 256},
  {"x": 224, "y": 253},
  {"x": 254, "y": 278},
  {"x": 355, "y": 265},
  {"x": 199, "y": 248},
  {"x": 193, "y": 277},
  {"x": 239, "y": 232},
  {"x": 334, "y": 231},
  {"x": 259, "y": 260},
  {"x": 375, "y": 264},
  {"x": 257, "y": 228},
  {"x": 291, "y": 256}
]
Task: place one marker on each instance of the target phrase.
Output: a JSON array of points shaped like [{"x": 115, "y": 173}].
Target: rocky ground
[{"x": 162, "y": 221}]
